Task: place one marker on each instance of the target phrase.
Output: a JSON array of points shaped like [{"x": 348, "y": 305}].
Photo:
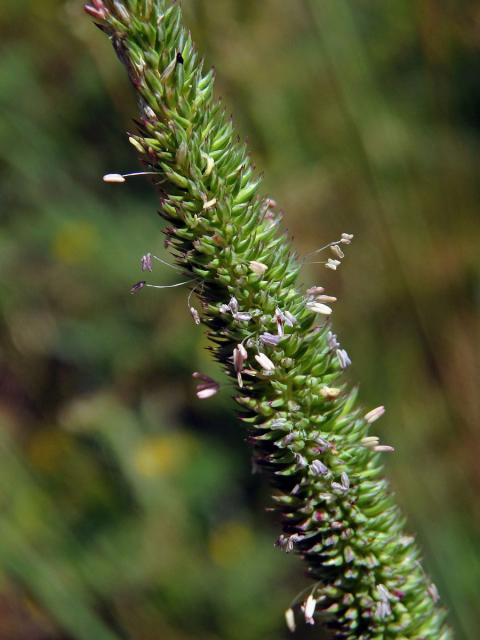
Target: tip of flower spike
[{"x": 113, "y": 178}]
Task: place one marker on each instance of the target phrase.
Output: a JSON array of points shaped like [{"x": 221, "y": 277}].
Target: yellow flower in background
[{"x": 164, "y": 455}]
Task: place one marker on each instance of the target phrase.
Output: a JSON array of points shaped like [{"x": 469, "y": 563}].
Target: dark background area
[{"x": 128, "y": 507}]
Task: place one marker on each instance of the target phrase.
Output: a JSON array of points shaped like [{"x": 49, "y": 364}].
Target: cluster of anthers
[
  {"x": 316, "y": 300},
  {"x": 308, "y": 607},
  {"x": 283, "y": 323}
]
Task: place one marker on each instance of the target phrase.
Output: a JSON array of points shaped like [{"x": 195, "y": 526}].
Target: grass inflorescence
[{"x": 309, "y": 435}]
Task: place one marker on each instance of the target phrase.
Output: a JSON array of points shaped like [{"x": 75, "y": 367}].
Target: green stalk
[{"x": 308, "y": 434}]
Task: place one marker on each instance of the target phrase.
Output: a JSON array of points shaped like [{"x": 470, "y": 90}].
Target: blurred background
[{"x": 129, "y": 508}]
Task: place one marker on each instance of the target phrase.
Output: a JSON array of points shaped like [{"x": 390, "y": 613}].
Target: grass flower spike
[{"x": 308, "y": 434}]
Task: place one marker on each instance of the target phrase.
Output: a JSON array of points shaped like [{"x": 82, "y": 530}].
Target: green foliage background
[{"x": 128, "y": 508}]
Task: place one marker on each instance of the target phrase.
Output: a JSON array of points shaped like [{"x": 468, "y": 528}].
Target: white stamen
[
  {"x": 346, "y": 238},
  {"x": 318, "y": 307},
  {"x": 258, "y": 267},
  {"x": 383, "y": 609},
  {"x": 270, "y": 339},
  {"x": 332, "y": 341},
  {"x": 373, "y": 443},
  {"x": 345, "y": 481},
  {"x": 370, "y": 442},
  {"x": 343, "y": 358},
  {"x": 279, "y": 318},
  {"x": 149, "y": 112},
  {"x": 318, "y": 468},
  {"x": 335, "y": 249},
  {"x": 239, "y": 356},
  {"x": 207, "y": 387},
  {"x": 384, "y": 593},
  {"x": 290, "y": 620},
  {"x": 332, "y": 264},
  {"x": 243, "y": 352},
  {"x": 433, "y": 592},
  {"x": 314, "y": 291},
  {"x": 114, "y": 178},
  {"x": 301, "y": 461},
  {"x": 374, "y": 414},
  {"x": 242, "y": 316},
  {"x": 204, "y": 392},
  {"x": 122, "y": 177},
  {"x": 233, "y": 304},
  {"x": 265, "y": 362},
  {"x": 309, "y": 610},
  {"x": 326, "y": 299},
  {"x": 209, "y": 204},
  {"x": 209, "y": 167},
  {"x": 330, "y": 392},
  {"x": 135, "y": 143},
  {"x": 290, "y": 319},
  {"x": 195, "y": 315}
]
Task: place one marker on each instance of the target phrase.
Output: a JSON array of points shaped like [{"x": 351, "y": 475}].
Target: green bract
[{"x": 307, "y": 432}]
